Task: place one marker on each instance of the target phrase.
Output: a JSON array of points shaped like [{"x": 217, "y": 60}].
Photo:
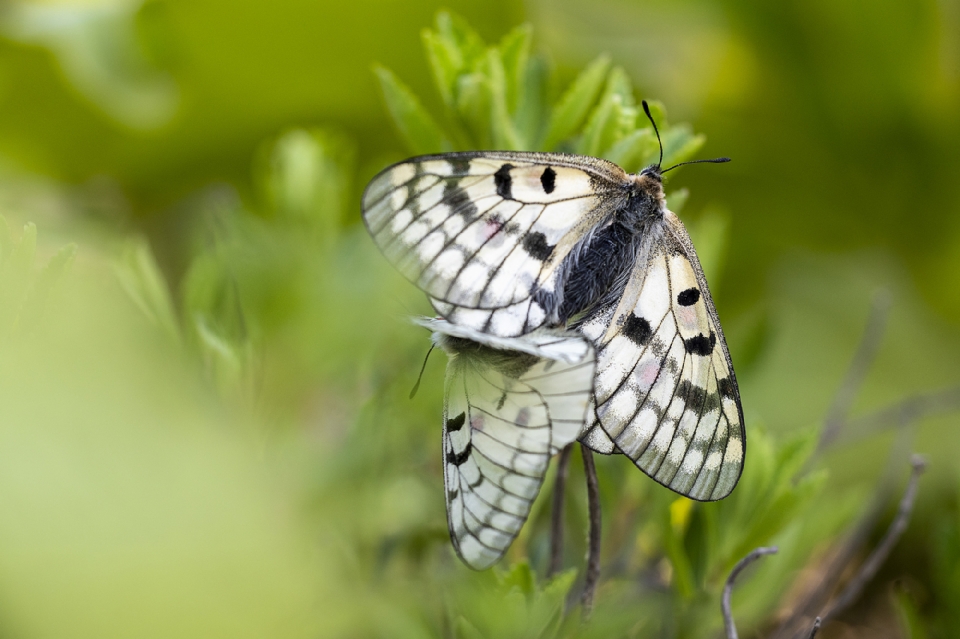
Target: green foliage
[
  {"x": 217, "y": 441},
  {"x": 23, "y": 289},
  {"x": 501, "y": 97}
]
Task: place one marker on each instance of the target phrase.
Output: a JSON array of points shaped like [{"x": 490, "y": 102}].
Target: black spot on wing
[
  {"x": 697, "y": 397},
  {"x": 452, "y": 494},
  {"x": 701, "y": 344},
  {"x": 548, "y": 179},
  {"x": 536, "y": 245},
  {"x": 504, "y": 182},
  {"x": 637, "y": 330},
  {"x": 459, "y": 166},
  {"x": 458, "y": 459},
  {"x": 456, "y": 423},
  {"x": 688, "y": 297},
  {"x": 726, "y": 388},
  {"x": 458, "y": 201}
]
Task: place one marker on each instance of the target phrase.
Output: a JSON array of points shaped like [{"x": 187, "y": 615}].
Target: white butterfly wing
[
  {"x": 505, "y": 414},
  {"x": 564, "y": 346},
  {"x": 483, "y": 234},
  {"x": 665, "y": 389}
]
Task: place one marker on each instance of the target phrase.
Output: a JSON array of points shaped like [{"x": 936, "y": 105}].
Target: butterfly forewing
[
  {"x": 510, "y": 247},
  {"x": 506, "y": 412},
  {"x": 483, "y": 234},
  {"x": 665, "y": 390}
]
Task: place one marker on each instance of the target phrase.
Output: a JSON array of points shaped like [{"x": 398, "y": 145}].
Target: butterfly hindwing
[
  {"x": 665, "y": 389},
  {"x": 505, "y": 413},
  {"x": 484, "y": 234}
]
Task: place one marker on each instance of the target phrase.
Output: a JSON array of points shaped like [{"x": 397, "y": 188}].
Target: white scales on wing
[
  {"x": 484, "y": 234},
  {"x": 510, "y": 404},
  {"x": 513, "y": 245}
]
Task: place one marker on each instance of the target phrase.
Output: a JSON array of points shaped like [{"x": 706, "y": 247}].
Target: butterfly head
[{"x": 647, "y": 199}]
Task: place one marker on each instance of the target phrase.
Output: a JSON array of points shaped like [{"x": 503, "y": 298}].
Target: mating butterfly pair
[{"x": 573, "y": 306}]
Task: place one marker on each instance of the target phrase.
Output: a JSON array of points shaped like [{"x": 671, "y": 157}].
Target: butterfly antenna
[
  {"x": 646, "y": 109},
  {"x": 712, "y": 161},
  {"x": 416, "y": 386}
]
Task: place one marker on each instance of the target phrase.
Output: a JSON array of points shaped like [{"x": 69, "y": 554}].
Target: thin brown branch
[
  {"x": 593, "y": 547},
  {"x": 728, "y": 623},
  {"x": 556, "y": 513},
  {"x": 883, "y": 549},
  {"x": 902, "y": 412},
  {"x": 859, "y": 367},
  {"x": 796, "y": 626}
]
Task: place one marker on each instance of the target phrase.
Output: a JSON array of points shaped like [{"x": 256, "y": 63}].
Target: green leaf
[
  {"x": 674, "y": 527},
  {"x": 21, "y": 259},
  {"x": 15, "y": 276},
  {"x": 613, "y": 118},
  {"x": 44, "y": 283},
  {"x": 635, "y": 150},
  {"x": 911, "y": 621},
  {"x": 710, "y": 235},
  {"x": 417, "y": 129},
  {"x": 453, "y": 49},
  {"x": 679, "y": 144},
  {"x": 304, "y": 178},
  {"x": 474, "y": 106},
  {"x": 515, "y": 53},
  {"x": 6, "y": 240},
  {"x": 519, "y": 576},
  {"x": 572, "y": 109},
  {"x": 503, "y": 134},
  {"x": 457, "y": 34},
  {"x": 530, "y": 119},
  {"x": 466, "y": 630},
  {"x": 445, "y": 64},
  {"x": 676, "y": 200},
  {"x": 141, "y": 278}
]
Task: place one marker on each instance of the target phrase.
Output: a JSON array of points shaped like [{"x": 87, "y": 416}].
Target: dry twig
[
  {"x": 556, "y": 515},
  {"x": 859, "y": 367},
  {"x": 593, "y": 551},
  {"x": 902, "y": 412},
  {"x": 728, "y": 623},
  {"x": 882, "y": 551},
  {"x": 795, "y": 625}
]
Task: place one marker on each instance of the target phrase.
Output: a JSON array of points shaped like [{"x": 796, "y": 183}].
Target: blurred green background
[{"x": 204, "y": 362}]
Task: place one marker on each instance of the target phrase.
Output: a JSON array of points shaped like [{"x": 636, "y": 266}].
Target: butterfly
[
  {"x": 510, "y": 404},
  {"x": 506, "y": 244}
]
